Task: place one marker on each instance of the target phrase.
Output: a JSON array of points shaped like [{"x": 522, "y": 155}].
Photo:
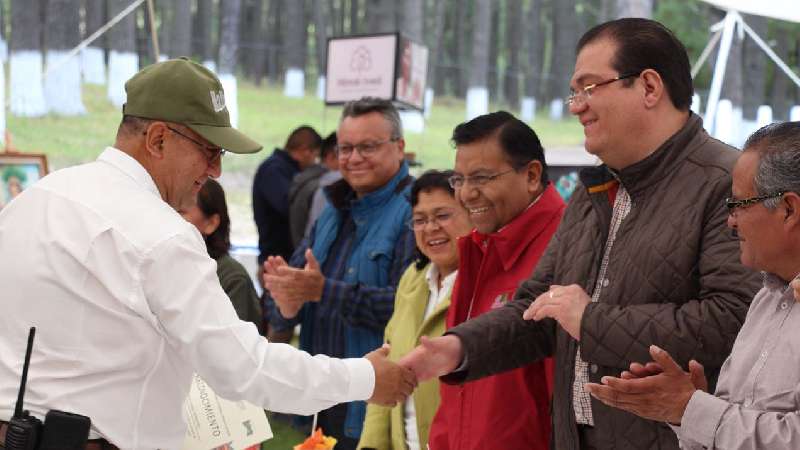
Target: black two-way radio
[{"x": 23, "y": 429}]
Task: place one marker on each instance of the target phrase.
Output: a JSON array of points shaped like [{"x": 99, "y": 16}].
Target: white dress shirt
[
  {"x": 127, "y": 305},
  {"x": 434, "y": 298}
]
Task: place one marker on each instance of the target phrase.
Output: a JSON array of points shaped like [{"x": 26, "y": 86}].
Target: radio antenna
[{"x": 21, "y": 397}]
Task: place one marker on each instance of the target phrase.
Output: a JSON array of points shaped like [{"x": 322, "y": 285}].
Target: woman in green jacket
[
  {"x": 420, "y": 307},
  {"x": 210, "y": 216}
]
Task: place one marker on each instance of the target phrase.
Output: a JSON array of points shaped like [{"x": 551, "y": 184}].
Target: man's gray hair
[
  {"x": 778, "y": 169},
  {"x": 366, "y": 105}
]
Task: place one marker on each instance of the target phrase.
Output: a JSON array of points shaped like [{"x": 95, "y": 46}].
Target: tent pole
[
  {"x": 775, "y": 58},
  {"x": 719, "y": 70},
  {"x": 706, "y": 52}
]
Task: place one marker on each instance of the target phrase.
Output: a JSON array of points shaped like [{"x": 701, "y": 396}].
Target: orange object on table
[{"x": 317, "y": 441}]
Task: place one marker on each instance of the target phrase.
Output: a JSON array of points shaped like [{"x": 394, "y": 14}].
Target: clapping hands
[{"x": 291, "y": 287}]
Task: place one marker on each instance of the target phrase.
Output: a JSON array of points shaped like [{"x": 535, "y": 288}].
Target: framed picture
[{"x": 18, "y": 171}]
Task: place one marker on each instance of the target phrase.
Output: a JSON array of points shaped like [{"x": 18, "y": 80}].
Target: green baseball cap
[{"x": 184, "y": 92}]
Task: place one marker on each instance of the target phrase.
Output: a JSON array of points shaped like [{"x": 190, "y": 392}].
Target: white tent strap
[
  {"x": 775, "y": 58},
  {"x": 719, "y": 69},
  {"x": 706, "y": 52},
  {"x": 94, "y": 36}
]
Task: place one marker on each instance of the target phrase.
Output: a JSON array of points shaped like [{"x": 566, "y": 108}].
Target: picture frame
[{"x": 19, "y": 171}]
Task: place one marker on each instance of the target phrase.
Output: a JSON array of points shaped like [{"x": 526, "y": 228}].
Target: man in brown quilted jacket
[{"x": 641, "y": 257}]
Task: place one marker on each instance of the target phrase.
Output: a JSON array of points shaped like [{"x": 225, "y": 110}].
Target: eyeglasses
[
  {"x": 439, "y": 219},
  {"x": 458, "y": 181},
  {"x": 734, "y": 204},
  {"x": 579, "y": 97},
  {"x": 365, "y": 149},
  {"x": 213, "y": 154}
]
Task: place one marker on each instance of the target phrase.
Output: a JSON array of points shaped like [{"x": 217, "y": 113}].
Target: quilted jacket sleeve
[
  {"x": 503, "y": 331},
  {"x": 701, "y": 328}
]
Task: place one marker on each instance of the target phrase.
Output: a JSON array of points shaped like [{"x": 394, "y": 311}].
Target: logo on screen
[{"x": 361, "y": 61}]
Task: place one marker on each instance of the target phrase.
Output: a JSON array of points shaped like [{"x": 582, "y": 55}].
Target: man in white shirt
[
  {"x": 124, "y": 296},
  {"x": 757, "y": 400}
]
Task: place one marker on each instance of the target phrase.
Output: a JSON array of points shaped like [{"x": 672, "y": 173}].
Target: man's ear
[
  {"x": 791, "y": 204},
  {"x": 401, "y": 144},
  {"x": 534, "y": 175},
  {"x": 653, "y": 87},
  {"x": 154, "y": 138}
]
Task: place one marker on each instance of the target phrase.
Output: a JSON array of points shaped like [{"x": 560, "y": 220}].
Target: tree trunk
[
  {"x": 262, "y": 47},
  {"x": 27, "y": 93},
  {"x": 781, "y": 91},
  {"x": 294, "y": 41},
  {"x": 93, "y": 60},
  {"x": 274, "y": 47},
  {"x": 732, "y": 81},
  {"x": 634, "y": 8},
  {"x": 754, "y": 69},
  {"x": 3, "y": 36},
  {"x": 247, "y": 39},
  {"x": 123, "y": 62},
  {"x": 355, "y": 17},
  {"x": 462, "y": 39},
  {"x": 204, "y": 33},
  {"x": 164, "y": 10},
  {"x": 321, "y": 44},
  {"x": 412, "y": 20},
  {"x": 181, "y": 29},
  {"x": 62, "y": 87},
  {"x": 563, "y": 55},
  {"x": 608, "y": 10},
  {"x": 494, "y": 75},
  {"x": 535, "y": 51},
  {"x": 436, "y": 45},
  {"x": 381, "y": 16},
  {"x": 228, "y": 47},
  {"x": 478, "y": 94},
  {"x": 514, "y": 37}
]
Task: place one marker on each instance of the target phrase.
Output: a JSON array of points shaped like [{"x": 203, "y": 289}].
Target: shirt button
[
  {"x": 764, "y": 354},
  {"x": 606, "y": 282},
  {"x": 784, "y": 305},
  {"x": 593, "y": 368},
  {"x": 350, "y": 270}
]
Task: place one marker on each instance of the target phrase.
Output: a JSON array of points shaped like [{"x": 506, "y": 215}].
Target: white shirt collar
[
  {"x": 129, "y": 166},
  {"x": 432, "y": 276}
]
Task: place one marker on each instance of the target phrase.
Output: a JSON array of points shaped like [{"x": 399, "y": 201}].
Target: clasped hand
[
  {"x": 659, "y": 390},
  {"x": 393, "y": 382},
  {"x": 291, "y": 287}
]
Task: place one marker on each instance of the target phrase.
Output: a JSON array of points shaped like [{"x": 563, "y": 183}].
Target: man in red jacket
[{"x": 501, "y": 178}]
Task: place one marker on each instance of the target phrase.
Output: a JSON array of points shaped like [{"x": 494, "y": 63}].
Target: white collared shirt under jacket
[
  {"x": 127, "y": 306},
  {"x": 757, "y": 401}
]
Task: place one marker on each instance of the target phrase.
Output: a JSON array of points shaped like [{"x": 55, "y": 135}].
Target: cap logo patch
[{"x": 217, "y": 100}]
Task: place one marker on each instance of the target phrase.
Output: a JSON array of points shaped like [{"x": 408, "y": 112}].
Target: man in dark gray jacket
[{"x": 641, "y": 257}]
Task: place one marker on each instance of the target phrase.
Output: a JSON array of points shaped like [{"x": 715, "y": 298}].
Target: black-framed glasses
[
  {"x": 579, "y": 97},
  {"x": 458, "y": 181},
  {"x": 212, "y": 153},
  {"x": 365, "y": 149},
  {"x": 733, "y": 204},
  {"x": 439, "y": 219}
]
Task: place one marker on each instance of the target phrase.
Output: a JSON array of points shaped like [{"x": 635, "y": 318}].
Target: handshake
[{"x": 394, "y": 382}]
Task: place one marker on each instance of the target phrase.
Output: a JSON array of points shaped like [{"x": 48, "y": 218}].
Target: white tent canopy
[
  {"x": 776, "y": 9},
  {"x": 786, "y": 10}
]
